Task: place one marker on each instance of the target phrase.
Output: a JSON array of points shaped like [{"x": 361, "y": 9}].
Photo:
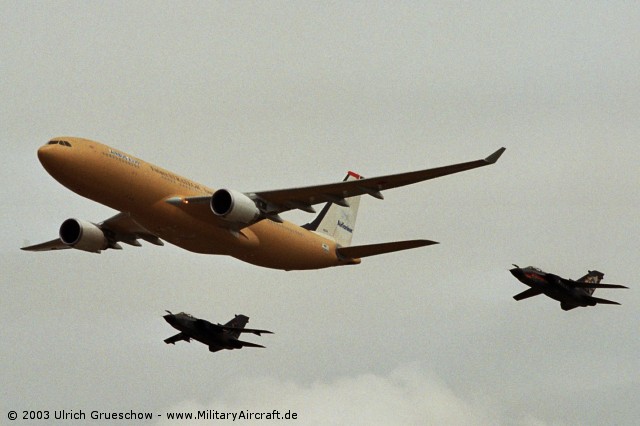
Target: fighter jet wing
[
  {"x": 178, "y": 337},
  {"x": 119, "y": 228},
  {"x": 528, "y": 293},
  {"x": 274, "y": 202}
]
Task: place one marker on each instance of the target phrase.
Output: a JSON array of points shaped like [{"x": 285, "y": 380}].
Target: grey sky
[{"x": 268, "y": 95}]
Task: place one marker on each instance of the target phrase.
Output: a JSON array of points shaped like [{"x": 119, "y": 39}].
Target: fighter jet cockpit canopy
[{"x": 530, "y": 268}]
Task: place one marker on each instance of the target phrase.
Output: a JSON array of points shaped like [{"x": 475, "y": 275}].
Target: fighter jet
[
  {"x": 216, "y": 336},
  {"x": 571, "y": 294}
]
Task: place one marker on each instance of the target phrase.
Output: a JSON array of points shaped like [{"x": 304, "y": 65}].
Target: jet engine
[
  {"x": 82, "y": 235},
  {"x": 234, "y": 206}
]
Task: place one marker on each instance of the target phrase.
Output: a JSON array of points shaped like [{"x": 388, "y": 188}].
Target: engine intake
[
  {"x": 234, "y": 206},
  {"x": 82, "y": 235}
]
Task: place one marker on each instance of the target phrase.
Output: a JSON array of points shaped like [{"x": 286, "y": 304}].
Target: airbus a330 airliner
[{"x": 156, "y": 204}]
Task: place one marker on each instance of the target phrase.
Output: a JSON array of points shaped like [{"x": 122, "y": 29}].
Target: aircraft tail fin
[
  {"x": 593, "y": 277},
  {"x": 239, "y": 321},
  {"x": 337, "y": 219}
]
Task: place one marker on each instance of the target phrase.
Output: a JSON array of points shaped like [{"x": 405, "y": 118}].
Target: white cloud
[{"x": 405, "y": 396}]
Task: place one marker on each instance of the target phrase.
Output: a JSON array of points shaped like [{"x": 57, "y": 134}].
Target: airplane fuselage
[
  {"x": 140, "y": 189},
  {"x": 205, "y": 333},
  {"x": 552, "y": 286}
]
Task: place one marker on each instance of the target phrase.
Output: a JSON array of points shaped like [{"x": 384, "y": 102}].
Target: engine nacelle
[
  {"x": 82, "y": 235},
  {"x": 234, "y": 206}
]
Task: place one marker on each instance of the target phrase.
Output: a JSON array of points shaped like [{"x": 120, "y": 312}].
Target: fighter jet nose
[
  {"x": 170, "y": 318},
  {"x": 516, "y": 272}
]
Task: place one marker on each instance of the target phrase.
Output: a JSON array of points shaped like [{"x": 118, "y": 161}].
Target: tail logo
[{"x": 344, "y": 226}]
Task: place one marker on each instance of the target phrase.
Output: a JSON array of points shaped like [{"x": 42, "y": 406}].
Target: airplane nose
[
  {"x": 45, "y": 153},
  {"x": 53, "y": 157},
  {"x": 516, "y": 272},
  {"x": 169, "y": 318}
]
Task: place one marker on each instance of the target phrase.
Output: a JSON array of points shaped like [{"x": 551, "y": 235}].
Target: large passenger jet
[{"x": 155, "y": 204}]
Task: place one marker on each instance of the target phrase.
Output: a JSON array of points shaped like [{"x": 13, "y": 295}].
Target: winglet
[{"x": 494, "y": 157}]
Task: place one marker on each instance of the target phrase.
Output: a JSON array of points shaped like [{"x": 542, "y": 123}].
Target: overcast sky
[{"x": 268, "y": 95}]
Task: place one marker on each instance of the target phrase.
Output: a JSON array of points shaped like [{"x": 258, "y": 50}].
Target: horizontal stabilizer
[
  {"x": 355, "y": 252},
  {"x": 527, "y": 293},
  {"x": 605, "y": 301},
  {"x": 594, "y": 285},
  {"x": 245, "y": 330},
  {"x": 247, "y": 344}
]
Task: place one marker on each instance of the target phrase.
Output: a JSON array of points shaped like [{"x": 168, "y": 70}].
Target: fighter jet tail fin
[
  {"x": 337, "y": 219},
  {"x": 593, "y": 277},
  {"x": 239, "y": 321}
]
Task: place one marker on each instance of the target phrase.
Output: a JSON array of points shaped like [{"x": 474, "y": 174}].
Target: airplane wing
[
  {"x": 528, "y": 293},
  {"x": 274, "y": 202},
  {"x": 279, "y": 201},
  {"x": 56, "y": 244},
  {"x": 178, "y": 337},
  {"x": 119, "y": 228}
]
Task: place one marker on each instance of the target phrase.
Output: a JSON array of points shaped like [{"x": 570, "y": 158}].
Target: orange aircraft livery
[{"x": 156, "y": 204}]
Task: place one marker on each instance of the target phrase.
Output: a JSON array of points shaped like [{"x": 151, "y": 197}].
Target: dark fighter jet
[
  {"x": 216, "y": 336},
  {"x": 571, "y": 294}
]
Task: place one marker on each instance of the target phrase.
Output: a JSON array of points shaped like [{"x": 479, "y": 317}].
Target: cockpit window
[{"x": 63, "y": 143}]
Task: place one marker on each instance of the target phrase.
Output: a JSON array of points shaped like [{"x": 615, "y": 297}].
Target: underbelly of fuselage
[{"x": 265, "y": 243}]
